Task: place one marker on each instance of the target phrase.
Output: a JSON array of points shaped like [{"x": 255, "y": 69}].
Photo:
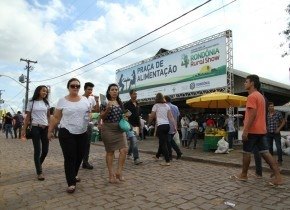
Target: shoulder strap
[{"x": 31, "y": 112}]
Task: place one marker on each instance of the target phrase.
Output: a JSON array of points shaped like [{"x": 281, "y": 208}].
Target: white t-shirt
[
  {"x": 161, "y": 113},
  {"x": 193, "y": 125},
  {"x": 39, "y": 112},
  {"x": 75, "y": 115},
  {"x": 92, "y": 102}
]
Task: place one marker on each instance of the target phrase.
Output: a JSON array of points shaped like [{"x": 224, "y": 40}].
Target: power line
[
  {"x": 66, "y": 26},
  {"x": 152, "y": 40},
  {"x": 197, "y": 7}
]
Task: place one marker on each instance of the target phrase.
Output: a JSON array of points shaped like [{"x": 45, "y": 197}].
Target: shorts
[{"x": 256, "y": 140}]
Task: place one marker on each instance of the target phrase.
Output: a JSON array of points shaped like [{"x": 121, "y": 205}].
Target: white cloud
[{"x": 33, "y": 31}]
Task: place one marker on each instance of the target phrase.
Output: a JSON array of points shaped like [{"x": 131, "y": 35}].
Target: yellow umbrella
[{"x": 217, "y": 100}]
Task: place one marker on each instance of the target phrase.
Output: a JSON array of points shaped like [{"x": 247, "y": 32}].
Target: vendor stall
[
  {"x": 216, "y": 100},
  {"x": 211, "y": 138}
]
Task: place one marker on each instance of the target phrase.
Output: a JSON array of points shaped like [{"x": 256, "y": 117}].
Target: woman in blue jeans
[
  {"x": 38, "y": 115},
  {"x": 161, "y": 111}
]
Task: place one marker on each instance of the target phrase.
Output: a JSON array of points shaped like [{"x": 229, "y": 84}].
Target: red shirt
[{"x": 210, "y": 122}]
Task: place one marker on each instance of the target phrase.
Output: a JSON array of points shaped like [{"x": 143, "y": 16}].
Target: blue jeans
[
  {"x": 277, "y": 137},
  {"x": 40, "y": 144},
  {"x": 133, "y": 148},
  {"x": 192, "y": 135},
  {"x": 88, "y": 145},
  {"x": 8, "y": 129}
]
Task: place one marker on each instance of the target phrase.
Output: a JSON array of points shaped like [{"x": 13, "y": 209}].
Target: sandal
[
  {"x": 112, "y": 179},
  {"x": 237, "y": 178},
  {"x": 120, "y": 177},
  {"x": 40, "y": 177},
  {"x": 71, "y": 189}
]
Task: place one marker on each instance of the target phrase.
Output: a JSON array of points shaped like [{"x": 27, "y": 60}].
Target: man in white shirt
[{"x": 95, "y": 107}]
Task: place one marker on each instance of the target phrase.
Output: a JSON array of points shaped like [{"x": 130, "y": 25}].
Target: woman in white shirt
[
  {"x": 72, "y": 114},
  {"x": 161, "y": 111},
  {"x": 38, "y": 114}
]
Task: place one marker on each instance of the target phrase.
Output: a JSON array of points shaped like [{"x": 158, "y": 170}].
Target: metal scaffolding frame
[{"x": 229, "y": 66}]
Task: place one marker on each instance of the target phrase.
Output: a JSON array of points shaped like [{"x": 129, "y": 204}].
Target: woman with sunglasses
[
  {"x": 113, "y": 137},
  {"x": 37, "y": 113},
  {"x": 72, "y": 114}
]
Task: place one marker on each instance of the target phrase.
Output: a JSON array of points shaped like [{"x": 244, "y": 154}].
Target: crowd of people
[
  {"x": 11, "y": 125},
  {"x": 72, "y": 118}
]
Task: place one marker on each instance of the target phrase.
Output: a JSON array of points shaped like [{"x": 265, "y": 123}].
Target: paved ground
[
  {"x": 183, "y": 185},
  {"x": 233, "y": 159}
]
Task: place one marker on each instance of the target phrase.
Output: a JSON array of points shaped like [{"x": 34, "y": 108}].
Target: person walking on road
[
  {"x": 275, "y": 122},
  {"x": 94, "y": 104},
  {"x": 17, "y": 125},
  {"x": 72, "y": 112},
  {"x": 8, "y": 124},
  {"x": 112, "y": 136},
  {"x": 171, "y": 143},
  {"x": 161, "y": 111},
  {"x": 38, "y": 114},
  {"x": 134, "y": 119},
  {"x": 254, "y": 134}
]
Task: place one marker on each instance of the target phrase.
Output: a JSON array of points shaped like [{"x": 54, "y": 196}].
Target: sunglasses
[{"x": 75, "y": 86}]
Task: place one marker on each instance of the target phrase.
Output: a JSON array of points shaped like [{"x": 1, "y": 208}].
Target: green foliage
[{"x": 286, "y": 33}]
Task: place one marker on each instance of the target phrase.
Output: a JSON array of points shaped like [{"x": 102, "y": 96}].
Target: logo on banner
[{"x": 194, "y": 85}]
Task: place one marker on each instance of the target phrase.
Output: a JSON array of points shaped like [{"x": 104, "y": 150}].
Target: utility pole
[
  {"x": 1, "y": 100},
  {"x": 28, "y": 69}
]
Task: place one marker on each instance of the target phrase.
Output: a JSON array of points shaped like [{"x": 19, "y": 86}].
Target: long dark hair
[
  {"x": 37, "y": 92},
  {"x": 108, "y": 96}
]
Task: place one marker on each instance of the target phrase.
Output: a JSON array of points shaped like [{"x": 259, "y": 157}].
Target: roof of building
[{"x": 262, "y": 79}]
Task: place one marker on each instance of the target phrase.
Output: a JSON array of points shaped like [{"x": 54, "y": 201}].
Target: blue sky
[{"x": 64, "y": 35}]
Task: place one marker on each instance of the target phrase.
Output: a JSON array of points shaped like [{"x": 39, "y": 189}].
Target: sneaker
[
  {"x": 137, "y": 161},
  {"x": 40, "y": 177},
  {"x": 87, "y": 166},
  {"x": 231, "y": 149}
]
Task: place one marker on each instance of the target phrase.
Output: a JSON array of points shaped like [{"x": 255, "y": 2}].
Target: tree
[{"x": 286, "y": 33}]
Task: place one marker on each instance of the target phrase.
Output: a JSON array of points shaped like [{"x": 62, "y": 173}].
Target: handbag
[
  {"x": 124, "y": 125},
  {"x": 28, "y": 131}
]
